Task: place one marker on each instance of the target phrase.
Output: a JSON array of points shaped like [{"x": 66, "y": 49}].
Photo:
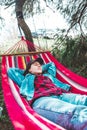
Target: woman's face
[{"x": 36, "y": 68}]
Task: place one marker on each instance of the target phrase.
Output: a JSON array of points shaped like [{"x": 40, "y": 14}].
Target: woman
[
  {"x": 46, "y": 94},
  {"x": 39, "y": 80}
]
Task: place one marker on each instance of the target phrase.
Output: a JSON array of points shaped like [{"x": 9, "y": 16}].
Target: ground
[{"x": 5, "y": 123}]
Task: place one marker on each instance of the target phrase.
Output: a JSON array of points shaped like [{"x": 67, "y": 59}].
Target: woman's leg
[
  {"x": 69, "y": 116},
  {"x": 72, "y": 98},
  {"x": 51, "y": 115},
  {"x": 55, "y": 110}
]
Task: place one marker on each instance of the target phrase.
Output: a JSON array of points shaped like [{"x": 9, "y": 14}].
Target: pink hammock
[{"x": 23, "y": 117}]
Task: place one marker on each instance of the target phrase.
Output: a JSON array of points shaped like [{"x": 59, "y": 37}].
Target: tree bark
[{"x": 21, "y": 22}]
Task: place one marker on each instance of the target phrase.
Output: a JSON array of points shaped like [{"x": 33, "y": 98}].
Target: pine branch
[{"x": 10, "y": 4}]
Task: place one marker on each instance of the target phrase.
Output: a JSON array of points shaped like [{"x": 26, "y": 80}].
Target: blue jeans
[{"x": 67, "y": 115}]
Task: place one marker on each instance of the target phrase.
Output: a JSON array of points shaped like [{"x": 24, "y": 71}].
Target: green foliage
[
  {"x": 74, "y": 11},
  {"x": 67, "y": 50},
  {"x": 29, "y": 7},
  {"x": 2, "y": 22},
  {"x": 0, "y": 59},
  {"x": 3, "y": 116}
]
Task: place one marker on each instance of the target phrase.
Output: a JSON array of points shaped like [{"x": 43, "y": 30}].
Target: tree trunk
[{"x": 21, "y": 22}]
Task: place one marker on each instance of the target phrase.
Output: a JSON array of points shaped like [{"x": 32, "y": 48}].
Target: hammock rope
[{"x": 22, "y": 48}]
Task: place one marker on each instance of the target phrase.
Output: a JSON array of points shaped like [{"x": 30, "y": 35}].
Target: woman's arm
[
  {"x": 16, "y": 75},
  {"x": 50, "y": 68}
]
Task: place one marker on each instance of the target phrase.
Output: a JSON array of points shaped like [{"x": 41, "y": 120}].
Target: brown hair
[{"x": 40, "y": 60}]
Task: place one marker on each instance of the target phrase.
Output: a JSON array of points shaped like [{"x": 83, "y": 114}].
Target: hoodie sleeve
[
  {"x": 50, "y": 68},
  {"x": 16, "y": 75},
  {"x": 27, "y": 86}
]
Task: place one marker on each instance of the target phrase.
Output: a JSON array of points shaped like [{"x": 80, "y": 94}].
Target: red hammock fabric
[
  {"x": 23, "y": 117},
  {"x": 20, "y": 113}
]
